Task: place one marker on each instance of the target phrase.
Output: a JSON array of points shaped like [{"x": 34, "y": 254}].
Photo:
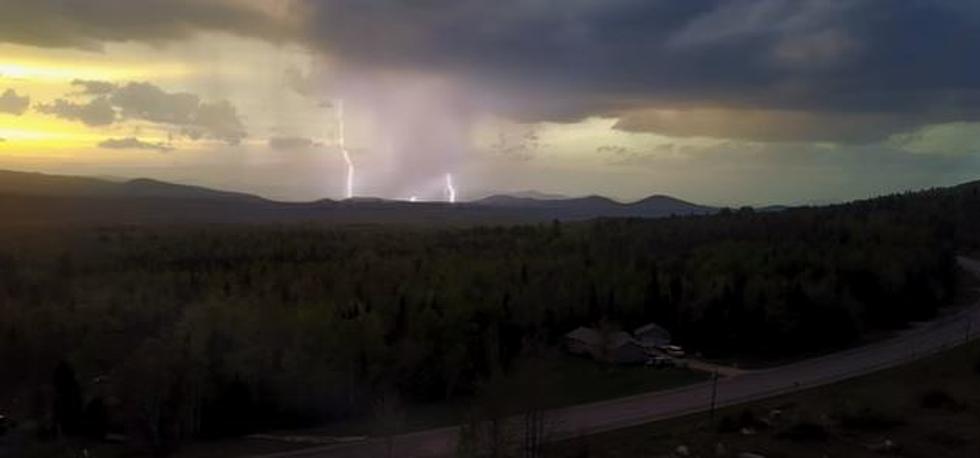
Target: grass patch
[{"x": 573, "y": 380}]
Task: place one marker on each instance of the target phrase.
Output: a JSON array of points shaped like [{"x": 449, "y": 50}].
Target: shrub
[
  {"x": 727, "y": 424},
  {"x": 947, "y": 439},
  {"x": 746, "y": 419},
  {"x": 869, "y": 419},
  {"x": 805, "y": 431},
  {"x": 939, "y": 399}
]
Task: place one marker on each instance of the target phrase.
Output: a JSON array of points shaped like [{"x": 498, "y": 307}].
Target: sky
[{"x": 722, "y": 102}]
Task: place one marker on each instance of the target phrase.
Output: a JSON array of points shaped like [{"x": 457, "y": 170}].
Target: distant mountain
[
  {"x": 39, "y": 184},
  {"x": 537, "y": 195},
  {"x": 598, "y": 206},
  {"x": 34, "y": 198}
]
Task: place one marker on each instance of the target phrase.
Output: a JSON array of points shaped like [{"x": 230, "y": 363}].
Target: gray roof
[
  {"x": 585, "y": 335},
  {"x": 592, "y": 337},
  {"x": 619, "y": 339},
  {"x": 651, "y": 327}
]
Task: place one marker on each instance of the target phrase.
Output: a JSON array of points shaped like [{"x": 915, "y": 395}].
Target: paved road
[{"x": 920, "y": 341}]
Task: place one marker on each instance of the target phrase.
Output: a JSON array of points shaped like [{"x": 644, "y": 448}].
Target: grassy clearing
[{"x": 569, "y": 380}]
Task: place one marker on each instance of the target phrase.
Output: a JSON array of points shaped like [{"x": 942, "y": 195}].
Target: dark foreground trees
[{"x": 213, "y": 331}]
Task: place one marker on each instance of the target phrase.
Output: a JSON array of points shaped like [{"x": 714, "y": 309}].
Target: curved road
[{"x": 922, "y": 340}]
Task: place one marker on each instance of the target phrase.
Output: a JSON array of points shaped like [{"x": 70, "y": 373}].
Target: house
[
  {"x": 652, "y": 335},
  {"x": 615, "y": 347},
  {"x": 583, "y": 341},
  {"x": 622, "y": 348}
]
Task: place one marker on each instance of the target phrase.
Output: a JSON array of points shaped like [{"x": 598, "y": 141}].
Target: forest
[{"x": 172, "y": 333}]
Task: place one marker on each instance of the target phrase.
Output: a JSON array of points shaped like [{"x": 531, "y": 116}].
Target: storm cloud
[
  {"x": 852, "y": 71},
  {"x": 882, "y": 65},
  {"x": 88, "y": 24}
]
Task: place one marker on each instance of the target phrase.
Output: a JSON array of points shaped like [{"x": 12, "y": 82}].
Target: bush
[
  {"x": 869, "y": 419},
  {"x": 947, "y": 439},
  {"x": 939, "y": 399},
  {"x": 727, "y": 424},
  {"x": 805, "y": 432},
  {"x": 747, "y": 419}
]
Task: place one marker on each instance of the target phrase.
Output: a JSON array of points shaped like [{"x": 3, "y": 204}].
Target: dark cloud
[
  {"x": 885, "y": 64},
  {"x": 97, "y": 112},
  {"x": 134, "y": 143},
  {"x": 879, "y": 65},
  {"x": 90, "y": 87},
  {"x": 290, "y": 143},
  {"x": 147, "y": 102},
  {"x": 14, "y": 104},
  {"x": 770, "y": 125},
  {"x": 87, "y": 24}
]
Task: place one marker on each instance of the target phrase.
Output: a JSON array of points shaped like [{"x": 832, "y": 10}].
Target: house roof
[
  {"x": 619, "y": 339},
  {"x": 592, "y": 337},
  {"x": 650, "y": 327},
  {"x": 585, "y": 335}
]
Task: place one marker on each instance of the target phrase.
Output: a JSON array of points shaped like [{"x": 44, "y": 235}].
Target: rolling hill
[{"x": 35, "y": 198}]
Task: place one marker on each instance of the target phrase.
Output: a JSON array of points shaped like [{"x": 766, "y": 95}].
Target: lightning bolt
[
  {"x": 450, "y": 189},
  {"x": 343, "y": 149}
]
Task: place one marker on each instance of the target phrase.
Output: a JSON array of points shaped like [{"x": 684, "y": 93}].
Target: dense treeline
[{"x": 209, "y": 331}]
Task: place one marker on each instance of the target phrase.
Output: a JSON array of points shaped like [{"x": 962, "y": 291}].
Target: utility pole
[{"x": 714, "y": 393}]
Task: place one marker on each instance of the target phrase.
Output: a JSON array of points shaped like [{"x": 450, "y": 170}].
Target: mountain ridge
[{"x": 30, "y": 197}]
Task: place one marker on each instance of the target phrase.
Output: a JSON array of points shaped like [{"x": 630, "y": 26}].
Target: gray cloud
[
  {"x": 97, "y": 112},
  {"x": 219, "y": 120},
  {"x": 299, "y": 82},
  {"x": 147, "y": 102},
  {"x": 14, "y": 104},
  {"x": 133, "y": 143},
  {"x": 769, "y": 125},
  {"x": 290, "y": 143},
  {"x": 87, "y": 24},
  {"x": 90, "y": 87}
]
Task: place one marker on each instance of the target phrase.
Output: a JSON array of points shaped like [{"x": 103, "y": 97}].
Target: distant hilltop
[{"x": 35, "y": 198}]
